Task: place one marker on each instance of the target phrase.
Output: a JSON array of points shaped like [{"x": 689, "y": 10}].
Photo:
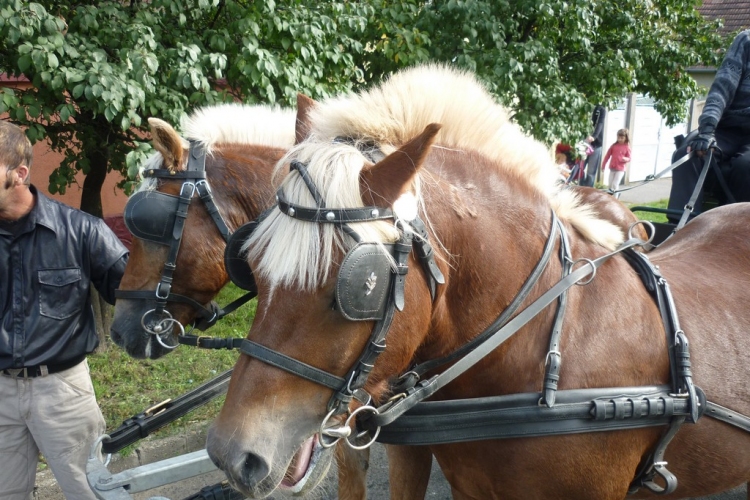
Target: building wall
[{"x": 45, "y": 162}]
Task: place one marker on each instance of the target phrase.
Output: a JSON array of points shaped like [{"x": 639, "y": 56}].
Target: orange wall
[{"x": 45, "y": 161}]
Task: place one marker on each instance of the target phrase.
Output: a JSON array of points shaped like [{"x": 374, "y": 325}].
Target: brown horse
[{"x": 487, "y": 210}]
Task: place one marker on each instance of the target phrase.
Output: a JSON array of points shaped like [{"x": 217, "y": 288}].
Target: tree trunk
[{"x": 91, "y": 202}]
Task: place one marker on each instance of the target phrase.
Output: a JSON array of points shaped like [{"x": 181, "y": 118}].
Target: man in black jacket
[
  {"x": 50, "y": 256},
  {"x": 724, "y": 123}
]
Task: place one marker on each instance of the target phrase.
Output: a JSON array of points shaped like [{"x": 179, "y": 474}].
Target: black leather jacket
[{"x": 47, "y": 265}]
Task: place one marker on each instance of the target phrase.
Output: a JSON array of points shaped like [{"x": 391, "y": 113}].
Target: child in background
[{"x": 620, "y": 154}]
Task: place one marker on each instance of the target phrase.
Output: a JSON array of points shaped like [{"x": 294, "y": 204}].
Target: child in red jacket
[{"x": 620, "y": 154}]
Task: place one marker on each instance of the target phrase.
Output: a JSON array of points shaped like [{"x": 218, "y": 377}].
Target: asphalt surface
[{"x": 647, "y": 193}]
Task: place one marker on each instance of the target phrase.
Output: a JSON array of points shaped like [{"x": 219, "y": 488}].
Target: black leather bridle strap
[
  {"x": 653, "y": 177},
  {"x": 332, "y": 215},
  {"x": 163, "y": 173},
  {"x": 726, "y": 415},
  {"x": 690, "y": 206},
  {"x": 426, "y": 256},
  {"x": 204, "y": 191},
  {"x": 164, "y": 287},
  {"x": 553, "y": 360},
  {"x": 291, "y": 365}
]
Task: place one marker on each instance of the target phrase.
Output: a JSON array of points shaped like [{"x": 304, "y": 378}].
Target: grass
[
  {"x": 651, "y": 216},
  {"x": 125, "y": 386}
]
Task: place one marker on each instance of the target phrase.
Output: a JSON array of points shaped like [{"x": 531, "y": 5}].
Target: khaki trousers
[{"x": 56, "y": 414}]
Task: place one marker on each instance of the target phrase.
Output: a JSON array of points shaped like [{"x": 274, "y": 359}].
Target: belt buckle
[{"x": 16, "y": 372}]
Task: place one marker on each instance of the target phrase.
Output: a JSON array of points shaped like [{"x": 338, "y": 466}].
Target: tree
[
  {"x": 552, "y": 61},
  {"x": 99, "y": 68}
]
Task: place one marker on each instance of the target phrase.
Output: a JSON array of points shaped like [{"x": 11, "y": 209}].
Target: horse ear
[
  {"x": 305, "y": 105},
  {"x": 169, "y": 143},
  {"x": 381, "y": 184}
]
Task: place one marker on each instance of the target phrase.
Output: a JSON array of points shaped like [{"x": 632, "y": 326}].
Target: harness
[
  {"x": 406, "y": 418},
  {"x": 160, "y": 218},
  {"x": 369, "y": 288}
]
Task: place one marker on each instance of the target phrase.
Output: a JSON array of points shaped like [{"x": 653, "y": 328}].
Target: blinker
[
  {"x": 235, "y": 261},
  {"x": 150, "y": 215},
  {"x": 364, "y": 281}
]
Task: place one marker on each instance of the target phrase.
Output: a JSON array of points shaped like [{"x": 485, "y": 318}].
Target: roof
[{"x": 734, "y": 13}]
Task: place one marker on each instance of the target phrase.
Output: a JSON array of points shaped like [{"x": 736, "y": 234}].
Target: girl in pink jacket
[{"x": 619, "y": 153}]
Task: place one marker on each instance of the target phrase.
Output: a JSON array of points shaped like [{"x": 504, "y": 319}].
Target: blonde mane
[
  {"x": 241, "y": 124},
  {"x": 390, "y": 115},
  {"x": 399, "y": 109},
  {"x": 232, "y": 123}
]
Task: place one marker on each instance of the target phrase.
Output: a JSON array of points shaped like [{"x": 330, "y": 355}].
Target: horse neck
[
  {"x": 495, "y": 233},
  {"x": 240, "y": 179},
  {"x": 495, "y": 229}
]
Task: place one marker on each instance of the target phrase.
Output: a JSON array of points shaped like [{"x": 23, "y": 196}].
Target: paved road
[{"x": 377, "y": 485}]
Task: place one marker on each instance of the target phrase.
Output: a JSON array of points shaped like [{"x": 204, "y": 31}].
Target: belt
[{"x": 41, "y": 370}]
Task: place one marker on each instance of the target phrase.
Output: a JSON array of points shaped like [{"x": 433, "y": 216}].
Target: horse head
[
  {"x": 305, "y": 314},
  {"x": 195, "y": 193}
]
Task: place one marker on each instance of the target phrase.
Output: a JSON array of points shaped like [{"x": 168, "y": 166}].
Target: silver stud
[
  {"x": 291, "y": 212},
  {"x": 330, "y": 216},
  {"x": 375, "y": 213}
]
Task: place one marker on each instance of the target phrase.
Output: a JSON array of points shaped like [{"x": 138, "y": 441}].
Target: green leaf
[
  {"x": 24, "y": 63},
  {"x": 52, "y": 61}
]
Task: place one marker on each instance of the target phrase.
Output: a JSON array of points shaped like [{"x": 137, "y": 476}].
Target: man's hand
[{"x": 702, "y": 143}]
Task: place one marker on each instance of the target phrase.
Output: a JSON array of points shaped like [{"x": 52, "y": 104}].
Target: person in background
[
  {"x": 595, "y": 140},
  {"x": 725, "y": 124},
  {"x": 50, "y": 256},
  {"x": 564, "y": 159},
  {"x": 619, "y": 153}
]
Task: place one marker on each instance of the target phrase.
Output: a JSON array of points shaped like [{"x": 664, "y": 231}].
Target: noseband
[
  {"x": 160, "y": 218},
  {"x": 368, "y": 289}
]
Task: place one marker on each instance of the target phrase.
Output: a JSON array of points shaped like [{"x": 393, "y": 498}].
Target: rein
[{"x": 159, "y": 321}]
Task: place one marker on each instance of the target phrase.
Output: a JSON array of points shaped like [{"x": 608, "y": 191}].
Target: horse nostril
[{"x": 256, "y": 470}]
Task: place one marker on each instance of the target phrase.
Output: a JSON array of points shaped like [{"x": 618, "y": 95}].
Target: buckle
[
  {"x": 157, "y": 408},
  {"x": 15, "y": 372}
]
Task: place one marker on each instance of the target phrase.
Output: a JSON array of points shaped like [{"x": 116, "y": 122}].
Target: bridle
[
  {"x": 160, "y": 218},
  {"x": 369, "y": 288}
]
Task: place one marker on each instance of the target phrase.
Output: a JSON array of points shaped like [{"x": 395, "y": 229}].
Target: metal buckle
[
  {"x": 15, "y": 372},
  {"x": 189, "y": 185},
  {"x": 157, "y": 408}
]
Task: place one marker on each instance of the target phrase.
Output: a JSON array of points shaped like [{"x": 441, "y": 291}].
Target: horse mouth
[{"x": 302, "y": 475}]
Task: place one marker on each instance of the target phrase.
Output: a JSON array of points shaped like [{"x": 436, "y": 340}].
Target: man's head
[{"x": 15, "y": 154}]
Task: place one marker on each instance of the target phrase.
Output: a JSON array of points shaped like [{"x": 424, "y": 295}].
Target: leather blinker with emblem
[{"x": 364, "y": 282}]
